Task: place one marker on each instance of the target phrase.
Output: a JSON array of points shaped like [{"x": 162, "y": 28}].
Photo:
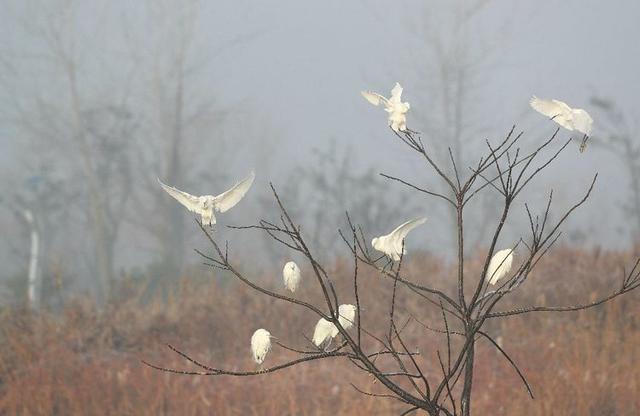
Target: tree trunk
[
  {"x": 468, "y": 381},
  {"x": 33, "y": 259}
]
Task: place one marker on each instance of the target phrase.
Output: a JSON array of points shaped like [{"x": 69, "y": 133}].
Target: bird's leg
[
  {"x": 389, "y": 263},
  {"x": 326, "y": 347},
  {"x": 583, "y": 145}
]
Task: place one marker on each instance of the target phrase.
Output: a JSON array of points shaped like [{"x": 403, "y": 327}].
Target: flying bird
[
  {"x": 499, "y": 265},
  {"x": 205, "y": 205},
  {"x": 391, "y": 244},
  {"x": 291, "y": 276},
  {"x": 569, "y": 118},
  {"x": 260, "y": 345},
  {"x": 393, "y": 105}
]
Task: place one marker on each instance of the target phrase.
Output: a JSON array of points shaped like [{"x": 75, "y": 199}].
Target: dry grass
[{"x": 82, "y": 362}]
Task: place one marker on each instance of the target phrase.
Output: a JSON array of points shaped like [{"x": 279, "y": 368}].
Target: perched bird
[
  {"x": 322, "y": 332},
  {"x": 393, "y": 105},
  {"x": 499, "y": 265},
  {"x": 569, "y": 118},
  {"x": 291, "y": 276},
  {"x": 391, "y": 244},
  {"x": 206, "y": 204},
  {"x": 346, "y": 316},
  {"x": 260, "y": 345},
  {"x": 326, "y": 330}
]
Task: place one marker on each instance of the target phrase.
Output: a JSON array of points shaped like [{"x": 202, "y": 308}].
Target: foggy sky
[{"x": 301, "y": 66}]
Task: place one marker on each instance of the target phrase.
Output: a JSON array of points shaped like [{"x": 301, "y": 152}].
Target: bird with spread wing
[
  {"x": 205, "y": 205},
  {"x": 570, "y": 118},
  {"x": 392, "y": 244},
  {"x": 393, "y": 105}
]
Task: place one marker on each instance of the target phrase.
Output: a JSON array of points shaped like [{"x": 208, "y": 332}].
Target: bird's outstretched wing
[
  {"x": 374, "y": 98},
  {"x": 401, "y": 232},
  {"x": 582, "y": 121},
  {"x": 554, "y": 109},
  {"x": 230, "y": 198},
  {"x": 192, "y": 203},
  {"x": 396, "y": 93}
]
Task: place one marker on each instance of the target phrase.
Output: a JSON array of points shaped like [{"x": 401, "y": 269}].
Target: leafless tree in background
[
  {"x": 69, "y": 120},
  {"x": 110, "y": 125},
  {"x": 337, "y": 188},
  {"x": 455, "y": 63},
  {"x": 382, "y": 351},
  {"x": 619, "y": 139}
]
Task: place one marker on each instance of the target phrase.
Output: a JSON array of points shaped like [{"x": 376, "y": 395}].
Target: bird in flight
[
  {"x": 569, "y": 118},
  {"x": 392, "y": 243},
  {"x": 393, "y": 105},
  {"x": 291, "y": 276},
  {"x": 205, "y": 205},
  {"x": 499, "y": 265}
]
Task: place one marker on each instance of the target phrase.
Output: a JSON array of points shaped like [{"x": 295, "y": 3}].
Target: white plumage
[
  {"x": 260, "y": 345},
  {"x": 346, "y": 316},
  {"x": 291, "y": 276},
  {"x": 322, "y": 331},
  {"x": 569, "y": 118},
  {"x": 326, "y": 330},
  {"x": 391, "y": 244},
  {"x": 394, "y": 106},
  {"x": 206, "y": 204},
  {"x": 499, "y": 265}
]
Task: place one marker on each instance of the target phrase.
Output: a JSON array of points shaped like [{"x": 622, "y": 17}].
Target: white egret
[
  {"x": 291, "y": 276},
  {"x": 391, "y": 244},
  {"x": 393, "y": 105},
  {"x": 569, "y": 118},
  {"x": 346, "y": 316},
  {"x": 326, "y": 330},
  {"x": 499, "y": 265},
  {"x": 322, "y": 332},
  {"x": 206, "y": 204},
  {"x": 260, "y": 345}
]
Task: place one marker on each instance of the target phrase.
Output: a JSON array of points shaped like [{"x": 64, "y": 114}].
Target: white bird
[
  {"x": 346, "y": 315},
  {"x": 322, "y": 331},
  {"x": 569, "y": 118},
  {"x": 326, "y": 330},
  {"x": 260, "y": 345},
  {"x": 394, "y": 106},
  {"x": 499, "y": 265},
  {"x": 206, "y": 204},
  {"x": 291, "y": 276},
  {"x": 391, "y": 244}
]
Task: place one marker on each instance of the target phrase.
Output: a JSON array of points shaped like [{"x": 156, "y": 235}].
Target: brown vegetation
[{"x": 79, "y": 361}]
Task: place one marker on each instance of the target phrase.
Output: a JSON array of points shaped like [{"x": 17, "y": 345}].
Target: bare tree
[
  {"x": 90, "y": 134},
  {"x": 184, "y": 125},
  {"x": 504, "y": 170},
  {"x": 455, "y": 63}
]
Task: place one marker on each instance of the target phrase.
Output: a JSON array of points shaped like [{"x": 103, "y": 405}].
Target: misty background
[{"x": 99, "y": 98}]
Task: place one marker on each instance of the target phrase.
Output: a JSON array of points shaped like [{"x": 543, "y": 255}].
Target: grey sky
[{"x": 303, "y": 64}]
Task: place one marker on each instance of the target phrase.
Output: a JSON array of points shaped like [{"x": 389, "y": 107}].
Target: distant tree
[
  {"x": 328, "y": 185},
  {"x": 620, "y": 138}
]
